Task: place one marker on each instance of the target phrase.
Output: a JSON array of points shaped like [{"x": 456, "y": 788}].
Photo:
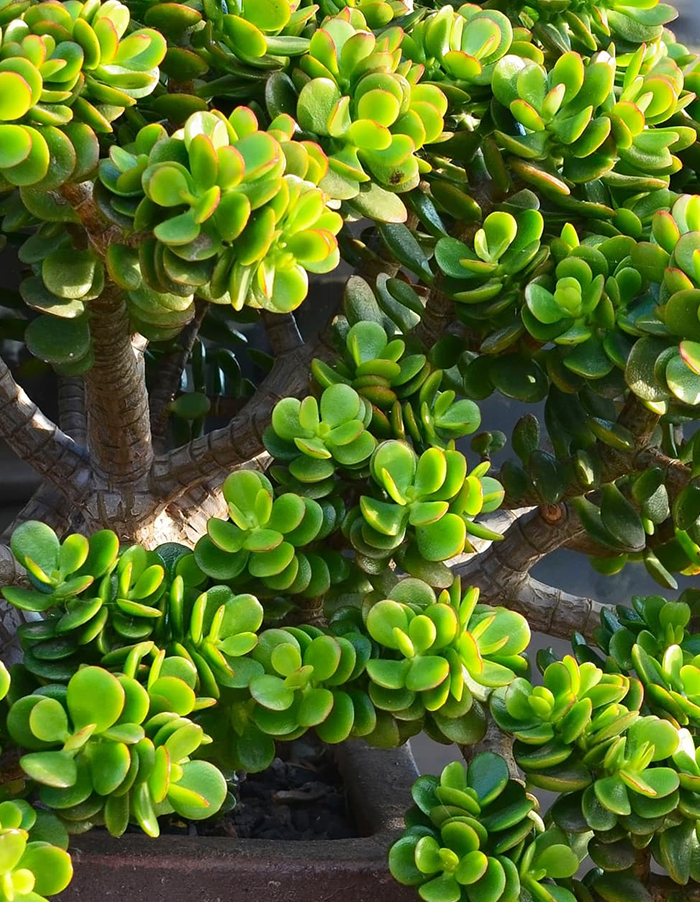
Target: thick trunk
[{"x": 119, "y": 432}]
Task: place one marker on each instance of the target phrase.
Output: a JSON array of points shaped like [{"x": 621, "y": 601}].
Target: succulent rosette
[
  {"x": 305, "y": 672},
  {"x": 461, "y": 845},
  {"x": 460, "y": 47},
  {"x": 365, "y": 105},
  {"x": 318, "y": 438},
  {"x": 438, "y": 655},
  {"x": 108, "y": 746},
  {"x": 571, "y": 117},
  {"x": 428, "y": 499},
  {"x": 35, "y": 862},
  {"x": 232, "y": 209},
  {"x": 377, "y": 13},
  {"x": 265, "y": 538},
  {"x": 596, "y": 24},
  {"x": 65, "y": 73}
]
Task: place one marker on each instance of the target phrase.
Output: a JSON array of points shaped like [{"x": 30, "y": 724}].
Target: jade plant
[{"x": 273, "y": 504}]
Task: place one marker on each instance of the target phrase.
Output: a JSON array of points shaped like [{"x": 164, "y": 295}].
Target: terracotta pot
[{"x": 216, "y": 869}]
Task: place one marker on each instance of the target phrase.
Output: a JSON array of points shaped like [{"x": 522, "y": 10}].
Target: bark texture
[{"x": 116, "y": 396}]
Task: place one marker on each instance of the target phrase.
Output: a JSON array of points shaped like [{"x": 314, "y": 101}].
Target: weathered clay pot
[{"x": 216, "y": 869}]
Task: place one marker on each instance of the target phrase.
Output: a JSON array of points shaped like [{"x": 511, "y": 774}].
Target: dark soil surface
[{"x": 300, "y": 798}]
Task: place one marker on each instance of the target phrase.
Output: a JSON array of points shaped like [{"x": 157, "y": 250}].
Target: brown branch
[
  {"x": 527, "y": 538},
  {"x": 10, "y": 618},
  {"x": 663, "y": 889},
  {"x": 46, "y": 504},
  {"x": 438, "y": 314},
  {"x": 240, "y": 441},
  {"x": 71, "y": 408},
  {"x": 10, "y": 570},
  {"x": 192, "y": 510},
  {"x": 119, "y": 432},
  {"x": 502, "y": 573},
  {"x": 38, "y": 441},
  {"x": 100, "y": 231},
  {"x": 554, "y": 611},
  {"x": 494, "y": 741},
  {"x": 170, "y": 371},
  {"x": 282, "y": 332},
  {"x": 676, "y": 475}
]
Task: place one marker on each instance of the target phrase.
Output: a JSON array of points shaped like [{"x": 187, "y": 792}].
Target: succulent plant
[
  {"x": 301, "y": 687},
  {"x": 462, "y": 845},
  {"x": 516, "y": 187},
  {"x": 429, "y": 497},
  {"x": 67, "y": 73},
  {"x": 262, "y": 536},
  {"x": 436, "y": 656},
  {"x": 575, "y": 705},
  {"x": 594, "y": 24},
  {"x": 107, "y": 745},
  {"x": 462, "y": 46},
  {"x": 505, "y": 249},
  {"x": 318, "y": 437},
  {"x": 234, "y": 210},
  {"x": 33, "y": 865},
  {"x": 365, "y": 105},
  {"x": 627, "y": 770},
  {"x": 572, "y": 115},
  {"x": 378, "y": 368}
]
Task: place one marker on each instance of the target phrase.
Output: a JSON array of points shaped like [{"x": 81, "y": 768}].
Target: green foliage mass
[{"x": 525, "y": 176}]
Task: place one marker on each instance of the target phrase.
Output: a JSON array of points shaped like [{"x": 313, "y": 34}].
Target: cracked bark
[
  {"x": 283, "y": 333},
  {"x": 437, "y": 316},
  {"x": 72, "y": 416},
  {"x": 10, "y": 618},
  {"x": 502, "y": 572},
  {"x": 100, "y": 232},
  {"x": 494, "y": 741},
  {"x": 119, "y": 432},
  {"x": 36, "y": 439},
  {"x": 46, "y": 504}
]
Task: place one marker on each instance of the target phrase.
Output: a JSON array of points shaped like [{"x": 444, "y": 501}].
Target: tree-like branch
[
  {"x": 119, "y": 431},
  {"x": 170, "y": 372},
  {"x": 282, "y": 332},
  {"x": 494, "y": 741},
  {"x": 46, "y": 504},
  {"x": 10, "y": 570},
  {"x": 10, "y": 617},
  {"x": 240, "y": 441},
  {"x": 663, "y": 889},
  {"x": 553, "y": 611},
  {"x": 100, "y": 231},
  {"x": 502, "y": 571},
  {"x": 38, "y": 441},
  {"x": 437, "y": 316},
  {"x": 528, "y": 536},
  {"x": 72, "y": 417}
]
